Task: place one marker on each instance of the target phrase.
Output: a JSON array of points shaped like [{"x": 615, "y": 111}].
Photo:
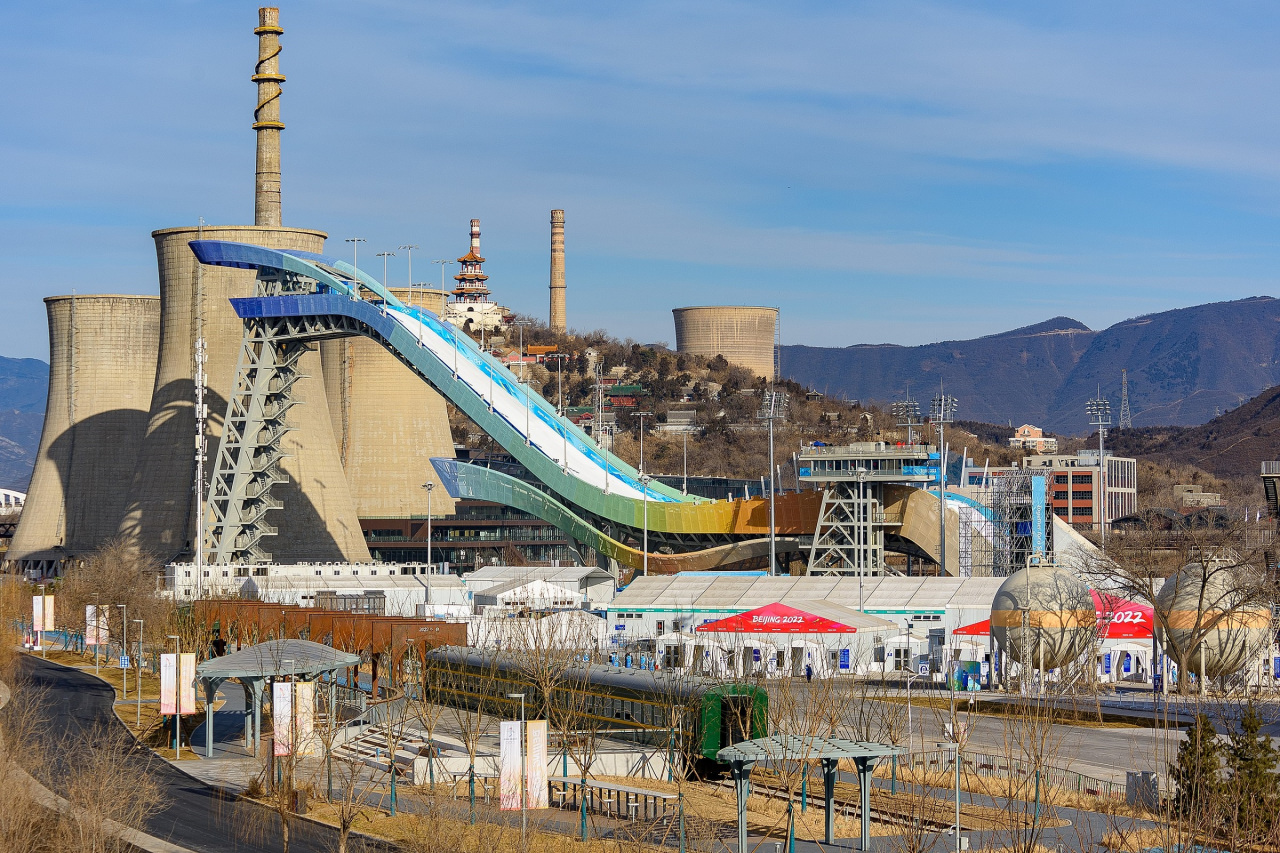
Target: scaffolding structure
[{"x": 1009, "y": 496}]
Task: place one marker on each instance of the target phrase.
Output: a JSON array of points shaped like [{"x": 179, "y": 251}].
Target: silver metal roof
[
  {"x": 560, "y": 574},
  {"x": 277, "y": 657},
  {"x": 717, "y": 592},
  {"x": 794, "y": 748}
]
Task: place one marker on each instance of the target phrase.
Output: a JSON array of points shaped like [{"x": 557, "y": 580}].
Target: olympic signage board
[
  {"x": 777, "y": 618},
  {"x": 509, "y": 765},
  {"x": 96, "y": 632},
  {"x": 1121, "y": 619},
  {"x": 535, "y": 784}
]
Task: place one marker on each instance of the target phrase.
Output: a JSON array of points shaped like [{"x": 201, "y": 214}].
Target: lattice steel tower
[{"x": 1126, "y": 418}]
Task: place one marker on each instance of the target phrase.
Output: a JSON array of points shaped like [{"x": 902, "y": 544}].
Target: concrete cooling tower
[
  {"x": 743, "y": 335},
  {"x": 318, "y": 519},
  {"x": 388, "y": 423},
  {"x": 102, "y": 355}
]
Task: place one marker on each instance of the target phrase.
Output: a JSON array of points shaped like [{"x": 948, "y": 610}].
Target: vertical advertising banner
[
  {"x": 535, "y": 780},
  {"x": 509, "y": 766},
  {"x": 42, "y": 613},
  {"x": 168, "y": 684},
  {"x": 282, "y": 717},
  {"x": 1039, "y": 541},
  {"x": 304, "y": 711},
  {"x": 95, "y": 626},
  {"x": 187, "y": 683}
]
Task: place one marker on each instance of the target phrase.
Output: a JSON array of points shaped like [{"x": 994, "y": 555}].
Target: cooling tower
[
  {"x": 388, "y": 423},
  {"x": 318, "y": 520},
  {"x": 744, "y": 335},
  {"x": 102, "y": 356},
  {"x": 557, "y": 314}
]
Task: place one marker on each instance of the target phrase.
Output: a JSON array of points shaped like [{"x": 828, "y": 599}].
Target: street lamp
[
  {"x": 642, "y": 416},
  {"x": 773, "y": 407},
  {"x": 138, "y": 692},
  {"x": 409, "y": 247},
  {"x": 124, "y": 647},
  {"x": 177, "y": 698},
  {"x": 528, "y": 407},
  {"x": 384, "y": 256},
  {"x": 911, "y": 668},
  {"x": 564, "y": 430},
  {"x": 428, "y": 486},
  {"x": 955, "y": 748},
  {"x": 524, "y": 800},
  {"x": 355, "y": 264},
  {"x": 644, "y": 485},
  {"x": 43, "y": 610},
  {"x": 443, "y": 262}
]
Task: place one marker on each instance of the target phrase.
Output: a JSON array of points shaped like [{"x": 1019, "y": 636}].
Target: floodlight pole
[
  {"x": 644, "y": 485},
  {"x": 943, "y": 411},
  {"x": 428, "y": 486},
  {"x": 355, "y": 264},
  {"x": 1099, "y": 410}
]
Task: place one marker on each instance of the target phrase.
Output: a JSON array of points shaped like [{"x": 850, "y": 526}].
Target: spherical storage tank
[
  {"x": 1060, "y": 617},
  {"x": 1206, "y": 602}
]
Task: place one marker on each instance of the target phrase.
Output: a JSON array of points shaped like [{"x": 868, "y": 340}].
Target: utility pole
[
  {"x": 124, "y": 648},
  {"x": 428, "y": 486},
  {"x": 202, "y": 416}
]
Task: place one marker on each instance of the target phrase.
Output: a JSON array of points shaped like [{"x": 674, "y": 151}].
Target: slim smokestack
[
  {"x": 475, "y": 236},
  {"x": 557, "y": 271},
  {"x": 266, "y": 118}
]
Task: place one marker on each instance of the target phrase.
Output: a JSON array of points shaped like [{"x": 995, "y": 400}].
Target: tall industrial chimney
[
  {"x": 557, "y": 320},
  {"x": 266, "y": 118},
  {"x": 318, "y": 520}
]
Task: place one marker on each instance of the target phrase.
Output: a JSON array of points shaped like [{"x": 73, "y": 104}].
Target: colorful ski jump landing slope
[{"x": 589, "y": 493}]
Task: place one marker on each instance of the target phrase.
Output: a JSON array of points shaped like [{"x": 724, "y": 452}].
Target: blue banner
[{"x": 1038, "y": 496}]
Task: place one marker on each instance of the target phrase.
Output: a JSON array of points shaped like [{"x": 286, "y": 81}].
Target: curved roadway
[{"x": 191, "y": 814}]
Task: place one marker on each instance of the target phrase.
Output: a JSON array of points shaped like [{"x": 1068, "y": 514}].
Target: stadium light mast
[
  {"x": 907, "y": 414},
  {"x": 942, "y": 410},
  {"x": 1099, "y": 410}
]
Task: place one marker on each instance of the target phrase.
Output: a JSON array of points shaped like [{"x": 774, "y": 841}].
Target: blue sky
[{"x": 903, "y": 172}]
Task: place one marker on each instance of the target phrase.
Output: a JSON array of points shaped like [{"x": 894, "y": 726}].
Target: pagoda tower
[{"x": 471, "y": 281}]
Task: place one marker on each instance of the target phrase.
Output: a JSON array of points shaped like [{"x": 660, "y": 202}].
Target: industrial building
[
  {"x": 102, "y": 356},
  {"x": 744, "y": 335}
]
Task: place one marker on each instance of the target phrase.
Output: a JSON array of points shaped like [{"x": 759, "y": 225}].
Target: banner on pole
[
  {"x": 168, "y": 684},
  {"x": 96, "y": 632},
  {"x": 1039, "y": 495},
  {"x": 187, "y": 683},
  {"x": 509, "y": 766},
  {"x": 42, "y": 613},
  {"x": 304, "y": 711},
  {"x": 535, "y": 780},
  {"x": 282, "y": 717}
]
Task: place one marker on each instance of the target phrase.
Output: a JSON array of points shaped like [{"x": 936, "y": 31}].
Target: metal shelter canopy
[
  {"x": 253, "y": 666},
  {"x": 741, "y": 757}
]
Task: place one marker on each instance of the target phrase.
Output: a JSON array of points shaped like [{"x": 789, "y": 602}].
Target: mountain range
[
  {"x": 1185, "y": 367},
  {"x": 24, "y": 385}
]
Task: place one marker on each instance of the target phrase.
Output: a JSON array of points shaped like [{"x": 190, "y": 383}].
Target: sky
[{"x": 883, "y": 172}]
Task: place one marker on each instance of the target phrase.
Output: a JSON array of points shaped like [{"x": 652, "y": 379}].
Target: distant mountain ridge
[
  {"x": 24, "y": 388},
  {"x": 1184, "y": 365}
]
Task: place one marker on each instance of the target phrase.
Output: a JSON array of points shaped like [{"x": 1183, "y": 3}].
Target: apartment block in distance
[{"x": 1075, "y": 489}]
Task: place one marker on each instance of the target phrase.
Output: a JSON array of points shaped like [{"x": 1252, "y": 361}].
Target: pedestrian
[{"x": 808, "y": 673}]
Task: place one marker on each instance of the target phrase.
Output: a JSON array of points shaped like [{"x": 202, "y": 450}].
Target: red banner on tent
[
  {"x": 777, "y": 619},
  {"x": 1121, "y": 619}
]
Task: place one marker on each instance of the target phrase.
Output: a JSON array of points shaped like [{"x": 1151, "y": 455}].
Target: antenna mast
[{"x": 1126, "y": 419}]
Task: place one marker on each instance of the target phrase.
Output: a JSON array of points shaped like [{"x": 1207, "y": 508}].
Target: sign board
[
  {"x": 924, "y": 669},
  {"x": 509, "y": 765},
  {"x": 293, "y": 717},
  {"x": 806, "y": 472},
  {"x": 777, "y": 618},
  {"x": 844, "y": 658},
  {"x": 168, "y": 684},
  {"x": 985, "y": 669},
  {"x": 1039, "y": 541},
  {"x": 1106, "y": 663},
  {"x": 124, "y": 661},
  {"x": 282, "y": 717},
  {"x": 187, "y": 683},
  {"x": 535, "y": 783},
  {"x": 95, "y": 626},
  {"x": 42, "y": 613}
]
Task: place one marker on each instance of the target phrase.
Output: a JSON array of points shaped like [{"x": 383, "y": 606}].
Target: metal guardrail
[{"x": 999, "y": 766}]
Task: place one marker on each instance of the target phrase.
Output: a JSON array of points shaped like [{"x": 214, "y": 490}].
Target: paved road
[{"x": 192, "y": 815}]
